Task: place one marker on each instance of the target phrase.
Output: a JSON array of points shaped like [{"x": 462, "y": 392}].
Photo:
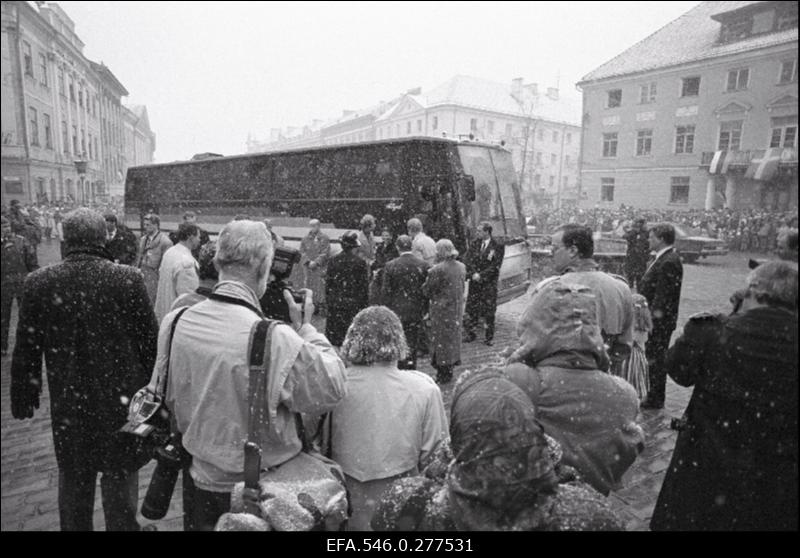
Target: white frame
[
  {"x": 636, "y": 142},
  {"x": 738, "y": 71}
]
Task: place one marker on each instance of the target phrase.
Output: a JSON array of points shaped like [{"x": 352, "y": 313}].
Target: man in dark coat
[
  {"x": 638, "y": 252},
  {"x": 401, "y": 291},
  {"x": 121, "y": 243},
  {"x": 347, "y": 288},
  {"x": 18, "y": 259},
  {"x": 92, "y": 321},
  {"x": 661, "y": 286},
  {"x": 483, "y": 270},
  {"x": 385, "y": 252},
  {"x": 735, "y": 462}
]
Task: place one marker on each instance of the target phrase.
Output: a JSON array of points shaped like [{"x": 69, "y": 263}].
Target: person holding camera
[
  {"x": 93, "y": 320},
  {"x": 207, "y": 386}
]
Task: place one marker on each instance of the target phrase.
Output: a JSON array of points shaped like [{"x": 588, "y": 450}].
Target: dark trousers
[
  {"x": 656, "y": 350},
  {"x": 120, "y": 494},
  {"x": 473, "y": 315},
  {"x": 10, "y": 291},
  {"x": 188, "y": 499},
  {"x": 413, "y": 332},
  {"x": 208, "y": 507}
]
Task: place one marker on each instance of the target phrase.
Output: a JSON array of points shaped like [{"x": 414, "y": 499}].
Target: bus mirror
[{"x": 468, "y": 187}]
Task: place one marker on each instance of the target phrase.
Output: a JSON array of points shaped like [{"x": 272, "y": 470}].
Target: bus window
[
  {"x": 488, "y": 204},
  {"x": 509, "y": 193}
]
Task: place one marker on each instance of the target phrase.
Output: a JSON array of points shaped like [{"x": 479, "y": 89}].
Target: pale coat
[
  {"x": 208, "y": 385},
  {"x": 177, "y": 275},
  {"x": 445, "y": 289},
  {"x": 151, "y": 252},
  {"x": 424, "y": 247},
  {"x": 315, "y": 248}
]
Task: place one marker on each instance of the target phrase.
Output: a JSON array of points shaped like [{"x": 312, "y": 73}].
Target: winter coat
[
  {"x": 560, "y": 366},
  {"x": 348, "y": 289},
  {"x": 445, "y": 289},
  {"x": 403, "y": 278},
  {"x": 18, "y": 258},
  {"x": 661, "y": 286},
  {"x": 384, "y": 253},
  {"x": 735, "y": 463},
  {"x": 176, "y": 276},
  {"x": 315, "y": 248},
  {"x": 151, "y": 251},
  {"x": 123, "y": 246},
  {"x": 92, "y": 322},
  {"x": 638, "y": 252}
]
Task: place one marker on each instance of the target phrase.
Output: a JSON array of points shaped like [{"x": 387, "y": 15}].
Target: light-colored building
[
  {"x": 139, "y": 140},
  {"x": 540, "y": 128},
  {"x": 62, "y": 122},
  {"x": 702, "y": 113}
]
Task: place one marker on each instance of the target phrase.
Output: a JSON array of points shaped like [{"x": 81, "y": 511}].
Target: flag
[
  {"x": 721, "y": 161},
  {"x": 765, "y": 167}
]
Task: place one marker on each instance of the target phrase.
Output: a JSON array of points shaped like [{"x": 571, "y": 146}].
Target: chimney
[
  {"x": 533, "y": 88},
  {"x": 552, "y": 92},
  {"x": 348, "y": 113},
  {"x": 414, "y": 91},
  {"x": 516, "y": 87}
]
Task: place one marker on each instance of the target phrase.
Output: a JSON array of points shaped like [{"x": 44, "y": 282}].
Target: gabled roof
[
  {"x": 690, "y": 38},
  {"x": 107, "y": 76}
]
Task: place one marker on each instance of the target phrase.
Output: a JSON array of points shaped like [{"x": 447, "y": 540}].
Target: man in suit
[
  {"x": 661, "y": 286},
  {"x": 483, "y": 269},
  {"x": 403, "y": 278},
  {"x": 121, "y": 243}
]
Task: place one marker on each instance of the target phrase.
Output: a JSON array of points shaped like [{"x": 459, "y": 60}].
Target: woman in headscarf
[
  {"x": 391, "y": 421},
  {"x": 559, "y": 365},
  {"x": 503, "y": 475}
]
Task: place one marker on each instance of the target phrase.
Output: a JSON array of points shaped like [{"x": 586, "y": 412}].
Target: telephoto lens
[{"x": 169, "y": 461}]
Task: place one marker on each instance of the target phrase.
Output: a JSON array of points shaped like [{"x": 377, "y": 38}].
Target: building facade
[
  {"x": 62, "y": 119},
  {"x": 701, "y": 114},
  {"x": 138, "y": 140},
  {"x": 540, "y": 128}
]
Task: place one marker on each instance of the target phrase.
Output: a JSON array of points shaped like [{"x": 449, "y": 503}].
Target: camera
[
  {"x": 272, "y": 303},
  {"x": 170, "y": 459},
  {"x": 678, "y": 423}
]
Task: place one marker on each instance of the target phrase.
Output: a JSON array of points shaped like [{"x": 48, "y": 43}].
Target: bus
[{"x": 450, "y": 185}]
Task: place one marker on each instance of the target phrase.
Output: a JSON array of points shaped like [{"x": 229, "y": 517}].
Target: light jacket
[
  {"x": 177, "y": 275},
  {"x": 208, "y": 385}
]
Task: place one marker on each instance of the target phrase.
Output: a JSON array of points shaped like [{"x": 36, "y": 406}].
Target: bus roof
[{"x": 316, "y": 149}]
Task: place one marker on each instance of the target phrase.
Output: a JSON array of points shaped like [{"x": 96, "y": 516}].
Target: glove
[{"x": 24, "y": 399}]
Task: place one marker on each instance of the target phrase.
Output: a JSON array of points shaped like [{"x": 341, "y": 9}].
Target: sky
[{"x": 210, "y": 73}]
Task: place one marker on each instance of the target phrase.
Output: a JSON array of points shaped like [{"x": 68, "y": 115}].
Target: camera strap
[
  {"x": 173, "y": 325},
  {"x": 237, "y": 301}
]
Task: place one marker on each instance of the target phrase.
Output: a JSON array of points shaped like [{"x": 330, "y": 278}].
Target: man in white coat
[{"x": 177, "y": 274}]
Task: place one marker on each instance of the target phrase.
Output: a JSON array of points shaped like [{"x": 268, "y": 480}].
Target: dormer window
[
  {"x": 741, "y": 24},
  {"x": 736, "y": 29}
]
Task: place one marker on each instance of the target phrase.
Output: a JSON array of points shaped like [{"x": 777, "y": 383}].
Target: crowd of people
[
  {"x": 745, "y": 230},
  {"x": 535, "y": 444}
]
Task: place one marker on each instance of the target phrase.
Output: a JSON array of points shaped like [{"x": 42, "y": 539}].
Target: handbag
[
  {"x": 149, "y": 419},
  {"x": 305, "y": 493}
]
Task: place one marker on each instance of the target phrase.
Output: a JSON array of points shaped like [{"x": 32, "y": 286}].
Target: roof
[
  {"x": 484, "y": 94},
  {"x": 109, "y": 77},
  {"x": 690, "y": 38}
]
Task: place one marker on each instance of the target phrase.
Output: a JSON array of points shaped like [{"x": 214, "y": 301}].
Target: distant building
[
  {"x": 540, "y": 128},
  {"x": 702, "y": 113},
  {"x": 139, "y": 139},
  {"x": 62, "y": 120}
]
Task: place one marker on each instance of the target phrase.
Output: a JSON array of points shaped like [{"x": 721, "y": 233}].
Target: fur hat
[{"x": 349, "y": 240}]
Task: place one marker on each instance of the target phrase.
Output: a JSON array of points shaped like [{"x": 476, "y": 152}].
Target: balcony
[{"x": 788, "y": 157}]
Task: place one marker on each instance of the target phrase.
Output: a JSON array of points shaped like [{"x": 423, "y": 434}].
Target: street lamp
[{"x": 80, "y": 166}]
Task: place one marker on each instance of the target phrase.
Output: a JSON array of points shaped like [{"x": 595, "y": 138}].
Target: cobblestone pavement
[{"x": 29, "y": 481}]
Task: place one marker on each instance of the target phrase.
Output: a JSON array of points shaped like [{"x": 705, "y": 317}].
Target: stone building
[{"x": 702, "y": 113}]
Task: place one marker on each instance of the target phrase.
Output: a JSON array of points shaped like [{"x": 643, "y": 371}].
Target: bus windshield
[{"x": 497, "y": 198}]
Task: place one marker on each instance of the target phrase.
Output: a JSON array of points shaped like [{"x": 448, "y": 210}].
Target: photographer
[{"x": 207, "y": 389}]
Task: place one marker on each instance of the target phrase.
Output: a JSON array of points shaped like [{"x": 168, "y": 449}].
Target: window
[
  {"x": 61, "y": 81},
  {"x": 552, "y": 181},
  {"x": 80, "y": 96},
  {"x": 71, "y": 90},
  {"x": 539, "y": 158},
  {"x": 34, "y": 117},
  {"x": 569, "y": 138},
  {"x": 408, "y": 127},
  {"x": 75, "y": 140},
  {"x": 27, "y": 59},
  {"x": 690, "y": 87},
  {"x": 508, "y": 130},
  {"x": 644, "y": 142},
  {"x": 679, "y": 190},
  {"x": 419, "y": 125},
  {"x": 684, "y": 139},
  {"x": 537, "y": 180},
  {"x": 566, "y": 182},
  {"x": 473, "y": 124},
  {"x": 91, "y": 153},
  {"x": 83, "y": 144},
  {"x": 787, "y": 19},
  {"x": 647, "y": 93},
  {"x": 730, "y": 135},
  {"x": 555, "y": 136},
  {"x": 737, "y": 79},
  {"x": 788, "y": 71},
  {"x": 736, "y": 29},
  {"x": 64, "y": 136},
  {"x": 96, "y": 151},
  {"x": 48, "y": 132},
  {"x": 614, "y": 98},
  {"x": 435, "y": 123},
  {"x": 540, "y": 134},
  {"x": 490, "y": 127},
  {"x": 566, "y": 160},
  {"x": 43, "y": 69},
  {"x": 607, "y": 189},
  {"x": 552, "y": 159},
  {"x": 610, "y": 145},
  {"x": 784, "y": 132}
]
